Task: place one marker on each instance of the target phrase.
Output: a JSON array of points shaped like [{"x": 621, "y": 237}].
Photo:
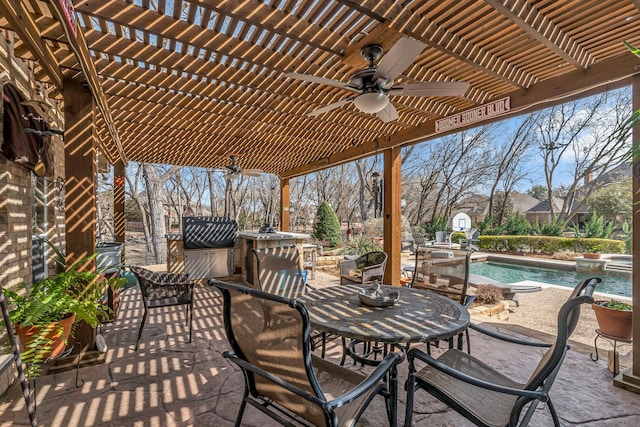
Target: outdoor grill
[
  {"x": 208, "y": 232},
  {"x": 208, "y": 246}
]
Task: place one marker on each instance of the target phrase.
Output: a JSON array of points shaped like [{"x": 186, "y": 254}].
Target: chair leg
[
  {"x": 393, "y": 386},
  {"x": 344, "y": 351},
  {"x": 554, "y": 414},
  {"x": 243, "y": 404},
  {"x": 410, "y": 389},
  {"x": 190, "y": 309},
  {"x": 144, "y": 319}
]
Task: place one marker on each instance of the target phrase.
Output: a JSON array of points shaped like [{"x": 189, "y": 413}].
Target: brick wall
[{"x": 16, "y": 196}]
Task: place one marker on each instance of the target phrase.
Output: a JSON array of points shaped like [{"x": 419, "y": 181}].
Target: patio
[{"x": 171, "y": 382}]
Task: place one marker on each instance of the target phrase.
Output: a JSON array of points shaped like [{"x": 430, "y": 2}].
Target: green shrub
[
  {"x": 616, "y": 305},
  {"x": 517, "y": 225},
  {"x": 549, "y": 244},
  {"x": 438, "y": 223},
  {"x": 361, "y": 246},
  {"x": 596, "y": 226},
  {"x": 327, "y": 227}
]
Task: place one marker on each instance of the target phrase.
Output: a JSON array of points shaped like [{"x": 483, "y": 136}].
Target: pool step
[{"x": 618, "y": 267}]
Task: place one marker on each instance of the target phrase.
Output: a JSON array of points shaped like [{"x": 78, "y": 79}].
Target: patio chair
[
  {"x": 279, "y": 271},
  {"x": 270, "y": 340},
  {"x": 164, "y": 290},
  {"x": 420, "y": 240},
  {"x": 481, "y": 393},
  {"x": 445, "y": 272},
  {"x": 365, "y": 269}
]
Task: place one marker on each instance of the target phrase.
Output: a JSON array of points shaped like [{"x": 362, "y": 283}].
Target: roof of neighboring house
[
  {"x": 543, "y": 206},
  {"x": 522, "y": 202}
]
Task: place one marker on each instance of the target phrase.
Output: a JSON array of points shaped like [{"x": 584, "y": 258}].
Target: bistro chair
[
  {"x": 279, "y": 271},
  {"x": 163, "y": 290},
  {"x": 365, "y": 269},
  {"x": 445, "y": 272},
  {"x": 481, "y": 393},
  {"x": 270, "y": 342}
]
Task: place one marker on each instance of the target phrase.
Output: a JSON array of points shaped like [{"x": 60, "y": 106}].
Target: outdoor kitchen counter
[{"x": 249, "y": 240}]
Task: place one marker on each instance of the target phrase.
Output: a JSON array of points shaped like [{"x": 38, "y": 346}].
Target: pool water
[{"x": 507, "y": 273}]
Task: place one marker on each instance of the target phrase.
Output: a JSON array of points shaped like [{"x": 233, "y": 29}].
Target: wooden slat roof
[{"x": 189, "y": 82}]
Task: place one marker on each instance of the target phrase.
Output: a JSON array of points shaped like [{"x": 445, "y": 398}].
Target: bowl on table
[{"x": 378, "y": 297}]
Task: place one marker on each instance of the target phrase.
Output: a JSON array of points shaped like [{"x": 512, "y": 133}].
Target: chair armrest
[
  {"x": 469, "y": 299},
  {"x": 388, "y": 363},
  {"x": 507, "y": 338},
  {"x": 275, "y": 379},
  {"x": 415, "y": 353},
  {"x": 346, "y": 265}
]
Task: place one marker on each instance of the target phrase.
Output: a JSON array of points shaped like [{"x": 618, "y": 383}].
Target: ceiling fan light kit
[{"x": 371, "y": 102}]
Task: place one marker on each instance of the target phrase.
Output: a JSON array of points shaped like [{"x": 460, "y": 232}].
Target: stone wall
[{"x": 16, "y": 196}]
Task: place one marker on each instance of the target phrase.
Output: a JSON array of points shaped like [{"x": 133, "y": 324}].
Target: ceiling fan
[
  {"x": 374, "y": 84},
  {"x": 233, "y": 169}
]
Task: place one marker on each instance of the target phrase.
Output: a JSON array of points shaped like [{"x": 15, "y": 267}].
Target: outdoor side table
[{"x": 418, "y": 316}]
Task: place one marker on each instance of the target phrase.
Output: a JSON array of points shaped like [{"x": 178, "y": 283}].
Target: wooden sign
[
  {"x": 473, "y": 115},
  {"x": 69, "y": 14}
]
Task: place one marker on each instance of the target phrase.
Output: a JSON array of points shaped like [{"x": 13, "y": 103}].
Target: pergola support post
[
  {"x": 392, "y": 221},
  {"x": 285, "y": 201},
  {"x": 630, "y": 379},
  {"x": 118, "y": 201},
  {"x": 80, "y": 183}
]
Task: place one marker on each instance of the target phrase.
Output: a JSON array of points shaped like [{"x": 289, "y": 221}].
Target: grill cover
[{"x": 199, "y": 232}]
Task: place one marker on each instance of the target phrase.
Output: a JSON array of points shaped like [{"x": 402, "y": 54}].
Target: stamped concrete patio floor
[{"x": 170, "y": 382}]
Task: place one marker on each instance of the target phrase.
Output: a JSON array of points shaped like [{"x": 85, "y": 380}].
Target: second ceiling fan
[{"x": 374, "y": 84}]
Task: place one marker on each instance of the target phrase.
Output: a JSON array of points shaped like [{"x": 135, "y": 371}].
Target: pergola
[{"x": 190, "y": 82}]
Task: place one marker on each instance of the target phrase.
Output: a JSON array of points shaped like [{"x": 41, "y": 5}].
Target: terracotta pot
[
  {"x": 26, "y": 334},
  {"x": 615, "y": 323},
  {"x": 591, "y": 256}
]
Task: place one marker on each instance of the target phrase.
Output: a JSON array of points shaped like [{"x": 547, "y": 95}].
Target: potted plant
[
  {"x": 592, "y": 252},
  {"x": 614, "y": 318},
  {"x": 44, "y": 313}
]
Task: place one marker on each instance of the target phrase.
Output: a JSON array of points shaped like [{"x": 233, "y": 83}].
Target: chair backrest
[
  {"x": 441, "y": 237},
  {"x": 149, "y": 281},
  {"x": 445, "y": 272},
  {"x": 567, "y": 319},
  {"x": 371, "y": 259},
  {"x": 420, "y": 239},
  {"x": 279, "y": 271},
  {"x": 272, "y": 333}
]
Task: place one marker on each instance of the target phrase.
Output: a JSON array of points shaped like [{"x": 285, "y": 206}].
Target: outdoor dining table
[{"x": 417, "y": 317}]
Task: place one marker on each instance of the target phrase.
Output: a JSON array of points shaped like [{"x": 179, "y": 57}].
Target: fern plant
[{"x": 41, "y": 304}]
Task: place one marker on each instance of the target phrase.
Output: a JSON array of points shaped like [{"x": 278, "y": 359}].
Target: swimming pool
[{"x": 508, "y": 273}]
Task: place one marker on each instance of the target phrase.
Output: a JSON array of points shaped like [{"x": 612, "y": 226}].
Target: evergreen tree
[{"x": 327, "y": 227}]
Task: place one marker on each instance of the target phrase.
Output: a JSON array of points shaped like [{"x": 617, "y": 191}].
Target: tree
[
  {"x": 510, "y": 155},
  {"x": 327, "y": 227},
  {"x": 538, "y": 192},
  {"x": 613, "y": 200}
]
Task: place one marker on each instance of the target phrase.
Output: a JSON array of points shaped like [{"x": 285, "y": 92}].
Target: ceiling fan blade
[
  {"x": 320, "y": 80},
  {"x": 251, "y": 172},
  {"x": 330, "y": 107},
  {"x": 430, "y": 89},
  {"x": 388, "y": 113},
  {"x": 399, "y": 57}
]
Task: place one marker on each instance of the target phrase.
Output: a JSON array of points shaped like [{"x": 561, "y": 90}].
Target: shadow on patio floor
[{"x": 170, "y": 382}]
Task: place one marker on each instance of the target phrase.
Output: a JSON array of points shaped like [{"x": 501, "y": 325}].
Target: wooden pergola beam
[
  {"x": 78, "y": 45},
  {"x": 25, "y": 27},
  {"x": 542, "y": 29}
]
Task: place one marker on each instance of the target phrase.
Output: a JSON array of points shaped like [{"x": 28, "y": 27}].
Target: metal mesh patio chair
[
  {"x": 270, "y": 340},
  {"x": 481, "y": 393},
  {"x": 445, "y": 272},
  {"x": 365, "y": 269},
  {"x": 163, "y": 290},
  {"x": 279, "y": 271}
]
